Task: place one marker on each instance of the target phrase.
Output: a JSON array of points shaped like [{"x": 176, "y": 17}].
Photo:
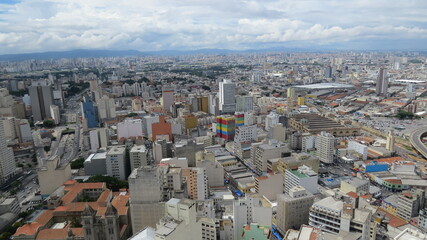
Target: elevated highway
[{"x": 415, "y": 139}]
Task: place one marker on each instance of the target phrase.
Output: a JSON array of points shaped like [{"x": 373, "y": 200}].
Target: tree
[
  {"x": 112, "y": 182},
  {"x": 46, "y": 148},
  {"x": 207, "y": 88},
  {"x": 78, "y": 163},
  {"x": 48, "y": 123},
  {"x": 404, "y": 114},
  {"x": 132, "y": 114}
]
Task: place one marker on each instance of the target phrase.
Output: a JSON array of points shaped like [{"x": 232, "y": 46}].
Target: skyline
[{"x": 29, "y": 26}]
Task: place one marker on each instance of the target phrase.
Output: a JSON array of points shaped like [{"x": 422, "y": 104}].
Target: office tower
[
  {"x": 167, "y": 97},
  {"x": 98, "y": 138},
  {"x": 359, "y": 148},
  {"x": 226, "y": 95},
  {"x": 225, "y": 127},
  {"x": 269, "y": 185},
  {"x": 214, "y": 171},
  {"x": 325, "y": 145},
  {"x": 7, "y": 160},
  {"x": 129, "y": 128},
  {"x": 296, "y": 141},
  {"x": 161, "y": 149},
  {"x": 244, "y": 103},
  {"x": 197, "y": 183},
  {"x": 53, "y": 174},
  {"x": 146, "y": 197},
  {"x": 213, "y": 104},
  {"x": 328, "y": 72},
  {"x": 303, "y": 176},
  {"x": 308, "y": 142},
  {"x": 382, "y": 82},
  {"x": 188, "y": 149},
  {"x": 106, "y": 108},
  {"x": 89, "y": 112},
  {"x": 293, "y": 209},
  {"x": 138, "y": 157},
  {"x": 41, "y": 99},
  {"x": 390, "y": 141},
  {"x": 116, "y": 162},
  {"x": 54, "y": 112},
  {"x": 147, "y": 122},
  {"x": 301, "y": 100}
]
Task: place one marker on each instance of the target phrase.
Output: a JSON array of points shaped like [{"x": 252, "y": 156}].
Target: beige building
[
  {"x": 263, "y": 152},
  {"x": 356, "y": 185},
  {"x": 269, "y": 185},
  {"x": 197, "y": 183},
  {"x": 52, "y": 175},
  {"x": 293, "y": 208}
]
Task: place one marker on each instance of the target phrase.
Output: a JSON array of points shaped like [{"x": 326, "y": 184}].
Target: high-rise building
[
  {"x": 304, "y": 176},
  {"x": 244, "y": 103},
  {"x": 7, "y": 160},
  {"x": 240, "y": 119},
  {"x": 227, "y": 99},
  {"x": 328, "y": 72},
  {"x": 263, "y": 152},
  {"x": 98, "y": 138},
  {"x": 382, "y": 82},
  {"x": 409, "y": 203},
  {"x": 293, "y": 208},
  {"x": 325, "y": 145},
  {"x": 138, "y": 157},
  {"x": 146, "y": 198},
  {"x": 129, "y": 128},
  {"x": 167, "y": 97},
  {"x": 271, "y": 120},
  {"x": 246, "y": 134},
  {"x": 89, "y": 112},
  {"x": 41, "y": 99},
  {"x": 197, "y": 183},
  {"x": 390, "y": 142},
  {"x": 225, "y": 127},
  {"x": 106, "y": 108},
  {"x": 55, "y": 114},
  {"x": 116, "y": 162},
  {"x": 6, "y": 103}
]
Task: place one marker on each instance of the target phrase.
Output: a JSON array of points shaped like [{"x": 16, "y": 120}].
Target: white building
[
  {"x": 7, "y": 160},
  {"x": 129, "y": 128},
  {"x": 138, "y": 157},
  {"x": 308, "y": 142},
  {"x": 303, "y": 176},
  {"x": 116, "y": 162},
  {"x": 56, "y": 115},
  {"x": 271, "y": 120},
  {"x": 359, "y": 148},
  {"x": 214, "y": 172},
  {"x": 227, "y": 99},
  {"x": 325, "y": 145},
  {"x": 245, "y": 134},
  {"x": 147, "y": 122}
]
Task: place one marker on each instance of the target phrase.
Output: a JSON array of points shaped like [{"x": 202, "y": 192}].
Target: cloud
[{"x": 50, "y": 25}]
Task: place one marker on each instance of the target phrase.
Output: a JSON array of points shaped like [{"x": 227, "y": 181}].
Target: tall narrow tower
[
  {"x": 290, "y": 99},
  {"x": 227, "y": 99},
  {"x": 382, "y": 83},
  {"x": 390, "y": 141},
  {"x": 7, "y": 160}
]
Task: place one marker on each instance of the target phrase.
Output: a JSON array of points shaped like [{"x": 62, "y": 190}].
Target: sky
[{"x": 149, "y": 25}]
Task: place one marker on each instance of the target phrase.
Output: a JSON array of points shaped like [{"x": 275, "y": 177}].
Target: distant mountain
[
  {"x": 81, "y": 53},
  {"x": 86, "y": 53}
]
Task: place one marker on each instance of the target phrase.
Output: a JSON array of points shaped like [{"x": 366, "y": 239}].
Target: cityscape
[{"x": 281, "y": 130}]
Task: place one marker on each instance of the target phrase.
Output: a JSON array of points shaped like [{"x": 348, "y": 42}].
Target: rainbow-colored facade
[
  {"x": 240, "y": 119},
  {"x": 225, "y": 127}
]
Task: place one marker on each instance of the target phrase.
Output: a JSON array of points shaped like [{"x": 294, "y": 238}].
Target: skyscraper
[
  {"x": 106, "y": 108},
  {"x": 325, "y": 145},
  {"x": 167, "y": 97},
  {"x": 227, "y": 99},
  {"x": 390, "y": 141},
  {"x": 7, "y": 161},
  {"x": 41, "y": 99},
  {"x": 382, "y": 83}
]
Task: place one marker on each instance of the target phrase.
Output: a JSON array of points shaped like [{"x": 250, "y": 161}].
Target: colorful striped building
[
  {"x": 240, "y": 119},
  {"x": 225, "y": 127}
]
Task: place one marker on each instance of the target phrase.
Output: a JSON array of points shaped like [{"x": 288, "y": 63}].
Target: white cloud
[{"x": 42, "y": 25}]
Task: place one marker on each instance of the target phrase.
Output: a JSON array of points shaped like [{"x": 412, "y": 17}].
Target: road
[{"x": 415, "y": 139}]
